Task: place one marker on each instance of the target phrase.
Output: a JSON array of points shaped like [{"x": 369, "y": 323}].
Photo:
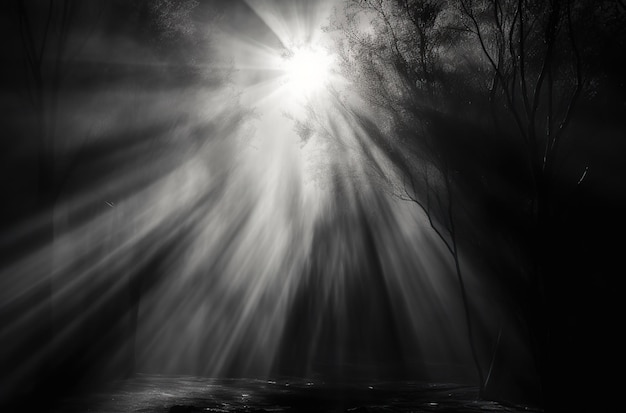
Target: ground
[{"x": 184, "y": 394}]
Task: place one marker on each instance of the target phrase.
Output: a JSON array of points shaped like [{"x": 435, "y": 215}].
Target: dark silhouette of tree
[
  {"x": 46, "y": 52},
  {"x": 401, "y": 73},
  {"x": 477, "y": 93},
  {"x": 106, "y": 56},
  {"x": 540, "y": 67}
]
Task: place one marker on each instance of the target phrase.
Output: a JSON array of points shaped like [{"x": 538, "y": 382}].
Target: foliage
[{"x": 478, "y": 97}]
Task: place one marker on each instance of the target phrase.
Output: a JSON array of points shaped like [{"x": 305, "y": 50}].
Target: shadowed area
[{"x": 334, "y": 205}]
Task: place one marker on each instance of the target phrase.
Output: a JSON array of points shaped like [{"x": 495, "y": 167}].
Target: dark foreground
[{"x": 163, "y": 394}]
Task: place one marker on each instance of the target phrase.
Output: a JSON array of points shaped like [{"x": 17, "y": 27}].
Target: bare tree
[
  {"x": 515, "y": 69},
  {"x": 400, "y": 69}
]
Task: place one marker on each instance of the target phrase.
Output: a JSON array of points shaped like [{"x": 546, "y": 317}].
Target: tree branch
[
  {"x": 497, "y": 71},
  {"x": 577, "y": 90},
  {"x": 522, "y": 63}
]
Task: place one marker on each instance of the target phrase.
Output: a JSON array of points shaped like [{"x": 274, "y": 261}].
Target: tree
[
  {"x": 540, "y": 68},
  {"x": 400, "y": 70},
  {"x": 91, "y": 125},
  {"x": 478, "y": 96},
  {"x": 46, "y": 49}
]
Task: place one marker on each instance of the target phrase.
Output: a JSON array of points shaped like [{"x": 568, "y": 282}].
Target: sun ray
[
  {"x": 307, "y": 69},
  {"x": 227, "y": 220}
]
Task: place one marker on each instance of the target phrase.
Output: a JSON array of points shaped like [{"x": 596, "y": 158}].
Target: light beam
[{"x": 307, "y": 70}]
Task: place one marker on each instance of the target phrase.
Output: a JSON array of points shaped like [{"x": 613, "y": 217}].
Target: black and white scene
[{"x": 319, "y": 206}]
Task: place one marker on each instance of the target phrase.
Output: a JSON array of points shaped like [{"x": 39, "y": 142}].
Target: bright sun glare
[{"x": 307, "y": 70}]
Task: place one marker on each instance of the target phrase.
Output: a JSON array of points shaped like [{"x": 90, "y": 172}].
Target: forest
[{"x": 325, "y": 205}]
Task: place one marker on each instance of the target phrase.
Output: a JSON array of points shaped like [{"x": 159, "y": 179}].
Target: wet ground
[{"x": 161, "y": 394}]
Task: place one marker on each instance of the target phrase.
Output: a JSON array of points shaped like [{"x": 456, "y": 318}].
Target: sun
[{"x": 307, "y": 70}]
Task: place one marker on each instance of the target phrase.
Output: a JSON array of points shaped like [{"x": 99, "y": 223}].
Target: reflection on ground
[{"x": 186, "y": 394}]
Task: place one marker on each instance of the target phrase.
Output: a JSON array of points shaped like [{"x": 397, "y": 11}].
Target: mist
[{"x": 183, "y": 203}]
